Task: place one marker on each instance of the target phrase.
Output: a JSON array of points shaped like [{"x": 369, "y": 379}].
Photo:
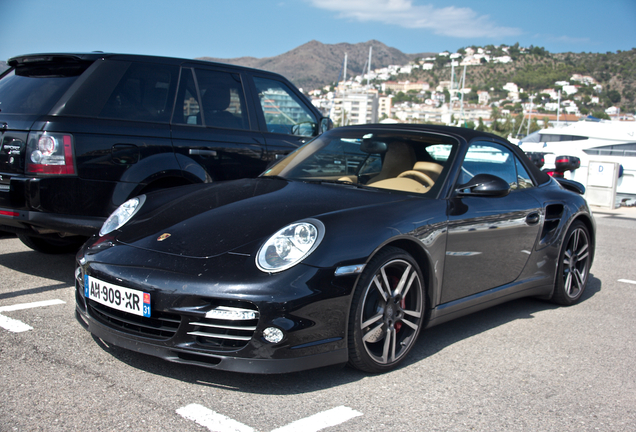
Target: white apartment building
[
  {"x": 353, "y": 108},
  {"x": 511, "y": 87},
  {"x": 483, "y": 97},
  {"x": 422, "y": 113},
  {"x": 570, "y": 89},
  {"x": 384, "y": 106},
  {"x": 405, "y": 86}
]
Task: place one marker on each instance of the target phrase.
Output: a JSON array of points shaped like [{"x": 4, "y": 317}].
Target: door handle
[
  {"x": 202, "y": 152},
  {"x": 533, "y": 218}
]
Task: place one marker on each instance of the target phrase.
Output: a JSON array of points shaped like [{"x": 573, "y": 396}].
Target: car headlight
[
  {"x": 122, "y": 215},
  {"x": 290, "y": 245}
]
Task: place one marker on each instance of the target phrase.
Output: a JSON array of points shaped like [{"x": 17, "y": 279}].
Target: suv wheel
[{"x": 52, "y": 245}]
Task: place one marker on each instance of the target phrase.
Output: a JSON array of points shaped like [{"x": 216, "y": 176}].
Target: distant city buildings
[{"x": 372, "y": 97}]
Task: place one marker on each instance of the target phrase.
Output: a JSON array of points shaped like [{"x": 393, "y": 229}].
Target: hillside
[
  {"x": 314, "y": 64},
  {"x": 536, "y": 70}
]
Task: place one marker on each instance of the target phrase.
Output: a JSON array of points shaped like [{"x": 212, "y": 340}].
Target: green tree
[
  {"x": 534, "y": 125},
  {"x": 468, "y": 124},
  {"x": 506, "y": 128},
  {"x": 495, "y": 119},
  {"x": 614, "y": 96},
  {"x": 546, "y": 122},
  {"x": 600, "y": 114}
]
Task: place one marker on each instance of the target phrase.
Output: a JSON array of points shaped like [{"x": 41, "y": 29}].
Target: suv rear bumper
[
  {"x": 48, "y": 205},
  {"x": 34, "y": 223}
]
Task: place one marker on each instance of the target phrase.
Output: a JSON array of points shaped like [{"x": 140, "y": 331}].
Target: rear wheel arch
[
  {"x": 163, "y": 183},
  {"x": 573, "y": 265},
  {"x": 591, "y": 230},
  {"x": 156, "y": 173}
]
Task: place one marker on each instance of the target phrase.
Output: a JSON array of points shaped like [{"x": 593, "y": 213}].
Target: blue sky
[{"x": 262, "y": 28}]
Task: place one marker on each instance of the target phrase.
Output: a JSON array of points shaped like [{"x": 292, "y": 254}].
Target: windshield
[{"x": 397, "y": 160}]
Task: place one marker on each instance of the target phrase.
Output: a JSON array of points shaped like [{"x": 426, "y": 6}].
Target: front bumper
[
  {"x": 309, "y": 305},
  {"x": 210, "y": 360}
]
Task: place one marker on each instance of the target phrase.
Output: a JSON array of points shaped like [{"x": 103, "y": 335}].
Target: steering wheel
[{"x": 418, "y": 176}]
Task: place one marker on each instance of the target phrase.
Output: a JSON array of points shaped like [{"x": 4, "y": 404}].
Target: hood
[{"x": 223, "y": 217}]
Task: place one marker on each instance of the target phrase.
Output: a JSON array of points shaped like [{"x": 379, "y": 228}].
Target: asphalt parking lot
[{"x": 523, "y": 366}]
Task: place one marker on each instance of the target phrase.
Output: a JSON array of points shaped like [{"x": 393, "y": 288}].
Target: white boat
[{"x": 597, "y": 141}]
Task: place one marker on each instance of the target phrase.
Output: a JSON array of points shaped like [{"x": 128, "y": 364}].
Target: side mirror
[
  {"x": 307, "y": 129},
  {"x": 325, "y": 125},
  {"x": 486, "y": 185}
]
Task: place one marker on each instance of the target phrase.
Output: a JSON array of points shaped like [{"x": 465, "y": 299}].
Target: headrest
[
  {"x": 373, "y": 147},
  {"x": 428, "y": 167},
  {"x": 216, "y": 98}
]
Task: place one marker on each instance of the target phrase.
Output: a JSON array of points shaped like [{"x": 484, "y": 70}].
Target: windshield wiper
[{"x": 340, "y": 182}]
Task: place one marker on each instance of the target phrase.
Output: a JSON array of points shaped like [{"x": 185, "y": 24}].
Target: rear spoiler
[
  {"x": 571, "y": 185},
  {"x": 25, "y": 60}
]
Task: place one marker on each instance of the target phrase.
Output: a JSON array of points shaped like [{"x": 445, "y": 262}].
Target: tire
[
  {"x": 574, "y": 265},
  {"x": 387, "y": 312},
  {"x": 52, "y": 245}
]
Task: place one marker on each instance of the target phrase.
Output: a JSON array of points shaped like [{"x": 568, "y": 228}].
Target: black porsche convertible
[{"x": 341, "y": 252}]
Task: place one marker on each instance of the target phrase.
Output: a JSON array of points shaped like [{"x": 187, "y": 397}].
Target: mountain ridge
[{"x": 314, "y": 64}]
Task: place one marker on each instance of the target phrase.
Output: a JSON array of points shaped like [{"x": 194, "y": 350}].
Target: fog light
[{"x": 273, "y": 334}]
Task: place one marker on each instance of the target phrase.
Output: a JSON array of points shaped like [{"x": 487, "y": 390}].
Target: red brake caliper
[{"x": 398, "y": 325}]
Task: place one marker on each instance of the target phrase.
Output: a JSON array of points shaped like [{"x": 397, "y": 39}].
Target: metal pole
[
  {"x": 529, "y": 115},
  {"x": 558, "y": 109},
  {"x": 452, "y": 85},
  {"x": 461, "y": 111},
  {"x": 369, "y": 69}
]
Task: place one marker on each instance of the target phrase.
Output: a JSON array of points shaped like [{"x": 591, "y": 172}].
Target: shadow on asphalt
[
  {"x": 56, "y": 267},
  {"x": 431, "y": 341}
]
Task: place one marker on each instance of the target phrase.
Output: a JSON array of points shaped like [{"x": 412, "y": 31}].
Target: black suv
[{"x": 82, "y": 133}]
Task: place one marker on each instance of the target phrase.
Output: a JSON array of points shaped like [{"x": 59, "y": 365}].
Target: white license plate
[{"x": 117, "y": 297}]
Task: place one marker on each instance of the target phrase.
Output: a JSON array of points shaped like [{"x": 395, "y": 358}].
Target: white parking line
[
  {"x": 321, "y": 420},
  {"x": 216, "y": 422},
  {"x": 212, "y": 420},
  {"x": 627, "y": 281},
  {"x": 16, "y": 326}
]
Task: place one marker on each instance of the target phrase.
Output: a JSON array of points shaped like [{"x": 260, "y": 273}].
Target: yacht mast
[{"x": 369, "y": 68}]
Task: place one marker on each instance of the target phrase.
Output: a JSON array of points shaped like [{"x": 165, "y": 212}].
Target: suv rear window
[
  {"x": 34, "y": 89},
  {"x": 126, "y": 91}
]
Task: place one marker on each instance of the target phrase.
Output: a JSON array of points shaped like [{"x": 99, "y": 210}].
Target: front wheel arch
[
  {"x": 387, "y": 312},
  {"x": 421, "y": 257}
]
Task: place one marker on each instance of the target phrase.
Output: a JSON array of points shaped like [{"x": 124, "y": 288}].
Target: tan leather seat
[
  {"x": 431, "y": 169},
  {"x": 399, "y": 157},
  {"x": 401, "y": 184}
]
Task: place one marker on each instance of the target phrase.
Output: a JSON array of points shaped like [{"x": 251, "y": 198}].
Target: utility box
[{"x": 602, "y": 179}]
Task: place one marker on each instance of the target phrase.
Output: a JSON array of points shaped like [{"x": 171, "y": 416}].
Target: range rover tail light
[{"x": 50, "y": 153}]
